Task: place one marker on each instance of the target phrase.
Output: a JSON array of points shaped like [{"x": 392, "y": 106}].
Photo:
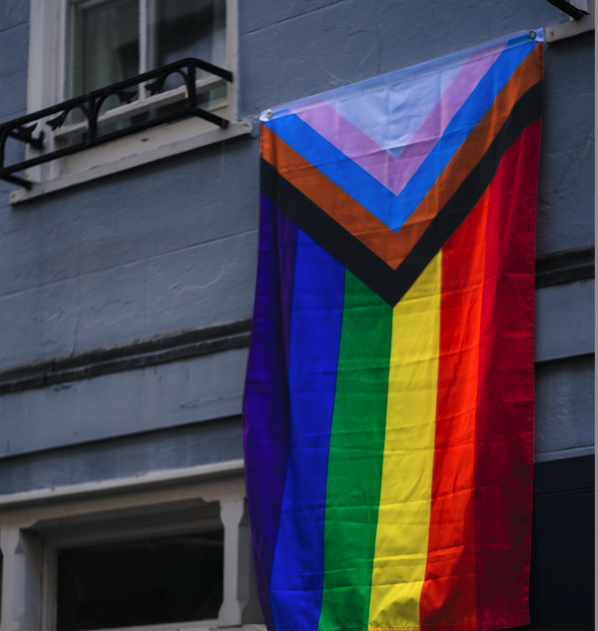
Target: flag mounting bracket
[
  {"x": 573, "y": 11},
  {"x": 581, "y": 20}
]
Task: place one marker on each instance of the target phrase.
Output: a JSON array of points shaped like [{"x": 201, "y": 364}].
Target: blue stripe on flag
[
  {"x": 470, "y": 114},
  {"x": 374, "y": 196},
  {"x": 298, "y": 568}
]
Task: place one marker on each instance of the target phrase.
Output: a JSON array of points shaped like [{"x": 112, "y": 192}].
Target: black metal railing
[
  {"x": 30, "y": 128},
  {"x": 569, "y": 9}
]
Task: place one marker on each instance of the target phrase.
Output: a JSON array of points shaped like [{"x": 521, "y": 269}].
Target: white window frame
[
  {"x": 46, "y": 86},
  {"x": 35, "y": 524}
]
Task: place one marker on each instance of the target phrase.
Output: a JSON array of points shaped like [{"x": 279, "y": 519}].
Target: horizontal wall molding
[
  {"x": 153, "y": 480},
  {"x": 565, "y": 266},
  {"x": 200, "y": 389},
  {"x": 139, "y": 354},
  {"x": 560, "y": 267},
  {"x": 560, "y": 476}
]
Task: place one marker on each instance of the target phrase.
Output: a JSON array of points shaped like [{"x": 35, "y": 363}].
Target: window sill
[{"x": 130, "y": 152}]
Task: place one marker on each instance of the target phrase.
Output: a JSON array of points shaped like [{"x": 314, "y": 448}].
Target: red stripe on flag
[
  {"x": 448, "y": 594},
  {"x": 504, "y": 420},
  {"x": 485, "y": 408}
]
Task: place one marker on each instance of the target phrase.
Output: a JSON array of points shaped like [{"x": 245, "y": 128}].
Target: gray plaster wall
[
  {"x": 168, "y": 247},
  {"x": 564, "y": 416},
  {"x": 172, "y": 245},
  {"x": 123, "y": 457},
  {"x": 14, "y": 48},
  {"x": 564, "y": 322},
  {"x": 117, "y": 404}
]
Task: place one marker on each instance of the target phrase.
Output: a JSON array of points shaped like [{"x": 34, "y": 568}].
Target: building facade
[{"x": 126, "y": 295}]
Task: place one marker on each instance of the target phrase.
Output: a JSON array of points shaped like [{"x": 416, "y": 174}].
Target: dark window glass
[
  {"x": 150, "y": 581},
  {"x": 186, "y": 28},
  {"x": 105, "y": 44}
]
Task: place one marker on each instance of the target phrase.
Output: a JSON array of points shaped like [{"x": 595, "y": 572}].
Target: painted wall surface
[
  {"x": 167, "y": 247},
  {"x": 172, "y": 245},
  {"x": 124, "y": 457},
  {"x": 123, "y": 403},
  {"x": 564, "y": 409},
  {"x": 564, "y": 323}
]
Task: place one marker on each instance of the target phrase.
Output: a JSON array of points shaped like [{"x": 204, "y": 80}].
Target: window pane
[
  {"x": 105, "y": 43},
  {"x": 186, "y": 28},
  {"x": 151, "y": 581}
]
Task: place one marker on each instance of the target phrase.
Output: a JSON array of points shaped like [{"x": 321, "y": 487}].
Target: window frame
[
  {"x": 47, "y": 85},
  {"x": 35, "y": 524},
  {"x": 126, "y": 527}
]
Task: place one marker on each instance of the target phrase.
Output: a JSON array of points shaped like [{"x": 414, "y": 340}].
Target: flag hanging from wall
[{"x": 388, "y": 411}]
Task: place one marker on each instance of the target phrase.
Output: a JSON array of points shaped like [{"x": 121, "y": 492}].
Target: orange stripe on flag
[
  {"x": 526, "y": 75},
  {"x": 393, "y": 247},
  {"x": 332, "y": 199}
]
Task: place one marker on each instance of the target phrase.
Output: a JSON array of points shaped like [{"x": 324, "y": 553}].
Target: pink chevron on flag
[{"x": 394, "y": 172}]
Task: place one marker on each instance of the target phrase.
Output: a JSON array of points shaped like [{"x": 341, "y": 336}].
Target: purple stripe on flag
[
  {"x": 394, "y": 173},
  {"x": 266, "y": 403}
]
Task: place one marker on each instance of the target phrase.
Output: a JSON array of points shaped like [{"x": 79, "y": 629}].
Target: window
[
  {"x": 163, "y": 551},
  {"x": 112, "y": 40},
  {"x": 144, "y": 581},
  {"x": 79, "y": 45}
]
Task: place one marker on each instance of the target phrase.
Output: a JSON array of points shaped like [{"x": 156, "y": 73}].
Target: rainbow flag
[{"x": 388, "y": 411}]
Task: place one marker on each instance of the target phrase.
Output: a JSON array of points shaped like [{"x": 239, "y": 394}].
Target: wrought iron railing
[
  {"x": 569, "y": 9},
  {"x": 30, "y": 128}
]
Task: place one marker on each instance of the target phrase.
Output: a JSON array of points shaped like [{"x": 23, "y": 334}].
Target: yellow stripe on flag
[{"x": 405, "y": 498}]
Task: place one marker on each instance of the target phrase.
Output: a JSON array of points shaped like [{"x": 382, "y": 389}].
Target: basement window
[
  {"x": 158, "y": 552},
  {"x": 143, "y": 582}
]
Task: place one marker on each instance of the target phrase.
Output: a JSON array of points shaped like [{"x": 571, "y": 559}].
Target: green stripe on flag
[{"x": 355, "y": 458}]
